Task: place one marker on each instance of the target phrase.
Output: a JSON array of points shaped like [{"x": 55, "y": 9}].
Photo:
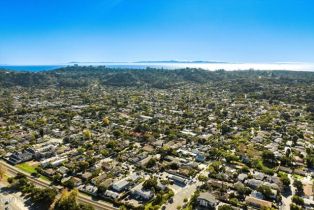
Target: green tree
[
  {"x": 174, "y": 166},
  {"x": 202, "y": 178},
  {"x": 83, "y": 165},
  {"x": 41, "y": 132},
  {"x": 225, "y": 129},
  {"x": 69, "y": 184},
  {"x": 7, "y": 103},
  {"x": 57, "y": 178},
  {"x": 295, "y": 207},
  {"x": 68, "y": 201},
  {"x": 269, "y": 158},
  {"x": 151, "y": 163},
  {"x": 298, "y": 200},
  {"x": 102, "y": 188},
  {"x": 225, "y": 207},
  {"x": 104, "y": 152},
  {"x": 85, "y": 207},
  {"x": 266, "y": 191},
  {"x": 87, "y": 134},
  {"x": 117, "y": 133},
  {"x": 158, "y": 199},
  {"x": 105, "y": 121},
  {"x": 242, "y": 189},
  {"x": 310, "y": 161},
  {"x": 298, "y": 184},
  {"x": 150, "y": 183},
  {"x": 44, "y": 196},
  {"x": 284, "y": 179}
]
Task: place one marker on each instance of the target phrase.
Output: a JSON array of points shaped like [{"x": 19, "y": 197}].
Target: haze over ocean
[{"x": 206, "y": 66}]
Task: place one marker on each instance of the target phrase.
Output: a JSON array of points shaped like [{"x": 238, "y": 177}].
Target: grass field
[{"x": 26, "y": 167}]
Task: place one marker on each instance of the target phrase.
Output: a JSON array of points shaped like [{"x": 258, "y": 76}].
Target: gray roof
[
  {"x": 121, "y": 183},
  {"x": 242, "y": 176},
  {"x": 254, "y": 183},
  {"x": 208, "y": 197}
]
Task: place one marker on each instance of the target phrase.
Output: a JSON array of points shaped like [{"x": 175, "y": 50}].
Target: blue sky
[{"x": 60, "y": 31}]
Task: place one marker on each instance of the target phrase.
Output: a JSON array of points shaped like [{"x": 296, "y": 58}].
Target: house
[
  {"x": 144, "y": 161},
  {"x": 86, "y": 175},
  {"x": 273, "y": 179},
  {"x": 258, "y": 175},
  {"x": 245, "y": 159},
  {"x": 159, "y": 143},
  {"x": 111, "y": 194},
  {"x": 186, "y": 153},
  {"x": 46, "y": 162},
  {"x": 256, "y": 202},
  {"x": 257, "y": 139},
  {"x": 44, "y": 151},
  {"x": 145, "y": 118},
  {"x": 308, "y": 204},
  {"x": 121, "y": 185},
  {"x": 148, "y": 148},
  {"x": 220, "y": 184},
  {"x": 161, "y": 186},
  {"x": 77, "y": 181},
  {"x": 99, "y": 178},
  {"x": 285, "y": 169},
  {"x": 242, "y": 177},
  {"x": 300, "y": 172},
  {"x": 63, "y": 170},
  {"x": 308, "y": 189},
  {"x": 188, "y": 132},
  {"x": 273, "y": 186},
  {"x": 179, "y": 180},
  {"x": 253, "y": 183},
  {"x": 58, "y": 162},
  {"x": 20, "y": 157},
  {"x": 49, "y": 172},
  {"x": 106, "y": 183},
  {"x": 257, "y": 194},
  {"x": 89, "y": 189},
  {"x": 207, "y": 200},
  {"x": 142, "y": 194}
]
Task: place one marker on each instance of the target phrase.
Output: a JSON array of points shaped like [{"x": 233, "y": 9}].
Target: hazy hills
[{"x": 80, "y": 76}]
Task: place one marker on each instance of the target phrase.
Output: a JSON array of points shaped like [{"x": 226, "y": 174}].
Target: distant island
[
  {"x": 158, "y": 61},
  {"x": 175, "y": 61}
]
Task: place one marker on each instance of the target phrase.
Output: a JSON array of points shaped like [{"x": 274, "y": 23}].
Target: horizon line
[{"x": 160, "y": 62}]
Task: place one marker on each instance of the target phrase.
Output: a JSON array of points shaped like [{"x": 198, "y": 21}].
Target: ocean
[
  {"x": 206, "y": 66},
  {"x": 31, "y": 68}
]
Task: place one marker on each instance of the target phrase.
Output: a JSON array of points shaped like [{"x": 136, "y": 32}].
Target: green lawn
[
  {"x": 26, "y": 167},
  {"x": 44, "y": 178},
  {"x": 298, "y": 177}
]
